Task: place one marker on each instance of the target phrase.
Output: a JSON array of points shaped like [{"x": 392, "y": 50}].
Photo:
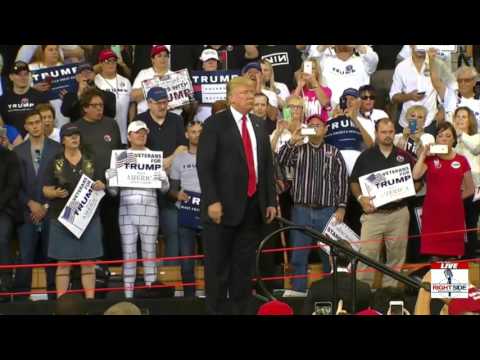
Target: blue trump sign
[
  {"x": 59, "y": 77},
  {"x": 210, "y": 86},
  {"x": 189, "y": 211}
]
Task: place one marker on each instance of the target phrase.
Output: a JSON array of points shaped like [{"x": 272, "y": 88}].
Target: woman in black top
[{"x": 65, "y": 171}]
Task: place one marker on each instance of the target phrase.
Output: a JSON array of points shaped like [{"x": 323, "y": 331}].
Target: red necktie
[{"x": 247, "y": 146}]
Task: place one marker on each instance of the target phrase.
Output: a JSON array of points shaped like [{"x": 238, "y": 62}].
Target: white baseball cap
[
  {"x": 208, "y": 54},
  {"x": 137, "y": 125}
]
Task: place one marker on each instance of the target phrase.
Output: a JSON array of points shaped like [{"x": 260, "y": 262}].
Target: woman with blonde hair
[
  {"x": 269, "y": 83},
  {"x": 409, "y": 139},
  {"x": 309, "y": 87}
]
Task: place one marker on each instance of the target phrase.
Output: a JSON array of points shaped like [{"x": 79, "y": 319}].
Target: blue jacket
[{"x": 32, "y": 184}]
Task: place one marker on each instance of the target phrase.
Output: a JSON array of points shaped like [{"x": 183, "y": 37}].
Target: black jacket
[
  {"x": 9, "y": 182},
  {"x": 222, "y": 167},
  {"x": 71, "y": 105},
  {"x": 322, "y": 290}
]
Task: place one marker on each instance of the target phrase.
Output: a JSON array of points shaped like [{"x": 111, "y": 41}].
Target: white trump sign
[
  {"x": 339, "y": 231},
  {"x": 80, "y": 208},
  {"x": 136, "y": 169},
  {"x": 178, "y": 86},
  {"x": 388, "y": 185}
]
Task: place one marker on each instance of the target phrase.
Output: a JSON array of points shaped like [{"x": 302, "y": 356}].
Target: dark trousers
[
  {"x": 229, "y": 261},
  {"x": 413, "y": 246},
  {"x": 29, "y": 238},
  {"x": 472, "y": 210},
  {"x": 6, "y": 229},
  {"x": 112, "y": 248}
]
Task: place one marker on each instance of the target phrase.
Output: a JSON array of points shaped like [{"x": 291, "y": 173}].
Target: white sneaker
[{"x": 293, "y": 293}]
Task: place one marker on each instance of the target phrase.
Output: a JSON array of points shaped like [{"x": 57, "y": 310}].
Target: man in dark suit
[
  {"x": 34, "y": 156},
  {"x": 235, "y": 169},
  {"x": 9, "y": 185},
  {"x": 322, "y": 290}
]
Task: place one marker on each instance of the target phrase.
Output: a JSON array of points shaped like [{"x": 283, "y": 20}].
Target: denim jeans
[
  {"x": 6, "y": 228},
  {"x": 168, "y": 214},
  {"x": 187, "y": 239},
  {"x": 29, "y": 237},
  {"x": 317, "y": 219}
]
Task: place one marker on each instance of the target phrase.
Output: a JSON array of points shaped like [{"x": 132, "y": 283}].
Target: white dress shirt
[
  {"x": 238, "y": 119},
  {"x": 407, "y": 78}
]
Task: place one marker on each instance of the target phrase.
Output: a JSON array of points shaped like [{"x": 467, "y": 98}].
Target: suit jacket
[
  {"x": 9, "y": 182},
  {"x": 222, "y": 168},
  {"x": 32, "y": 184},
  {"x": 322, "y": 290}
]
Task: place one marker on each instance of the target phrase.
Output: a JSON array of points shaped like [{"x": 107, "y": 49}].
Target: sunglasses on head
[{"x": 367, "y": 97}]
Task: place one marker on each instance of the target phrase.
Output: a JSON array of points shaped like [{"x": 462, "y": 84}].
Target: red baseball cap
[
  {"x": 157, "y": 49},
  {"x": 275, "y": 308},
  {"x": 106, "y": 54},
  {"x": 315, "y": 116},
  {"x": 471, "y": 304}
]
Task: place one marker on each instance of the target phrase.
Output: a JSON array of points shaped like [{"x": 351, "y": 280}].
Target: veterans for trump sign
[
  {"x": 81, "y": 206},
  {"x": 211, "y": 86},
  {"x": 178, "y": 85},
  {"x": 136, "y": 169},
  {"x": 60, "y": 78},
  {"x": 388, "y": 185}
]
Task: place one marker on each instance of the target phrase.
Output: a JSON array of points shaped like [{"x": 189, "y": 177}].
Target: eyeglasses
[
  {"x": 110, "y": 61},
  {"x": 297, "y": 107},
  {"x": 459, "y": 80},
  {"x": 98, "y": 105},
  {"x": 368, "y": 97}
]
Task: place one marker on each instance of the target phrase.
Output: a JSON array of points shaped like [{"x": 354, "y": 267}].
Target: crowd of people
[{"x": 297, "y": 128}]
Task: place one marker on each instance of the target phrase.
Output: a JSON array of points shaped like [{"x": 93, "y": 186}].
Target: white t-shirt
[
  {"x": 147, "y": 74},
  {"x": 282, "y": 90},
  {"x": 339, "y": 75},
  {"x": 121, "y": 87},
  {"x": 272, "y": 97},
  {"x": 60, "y": 119},
  {"x": 369, "y": 123},
  {"x": 203, "y": 112},
  {"x": 452, "y": 100},
  {"x": 406, "y": 78}
]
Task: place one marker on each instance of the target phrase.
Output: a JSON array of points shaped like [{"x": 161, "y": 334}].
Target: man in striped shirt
[{"x": 319, "y": 190}]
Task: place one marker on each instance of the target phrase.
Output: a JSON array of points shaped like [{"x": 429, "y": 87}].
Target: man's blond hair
[{"x": 237, "y": 82}]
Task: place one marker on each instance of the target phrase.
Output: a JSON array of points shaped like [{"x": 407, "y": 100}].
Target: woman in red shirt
[{"x": 449, "y": 181}]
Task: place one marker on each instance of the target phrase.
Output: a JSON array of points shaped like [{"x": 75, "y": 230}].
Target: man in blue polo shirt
[{"x": 167, "y": 134}]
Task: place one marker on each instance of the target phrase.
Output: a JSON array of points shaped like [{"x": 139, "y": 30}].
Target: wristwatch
[{"x": 46, "y": 206}]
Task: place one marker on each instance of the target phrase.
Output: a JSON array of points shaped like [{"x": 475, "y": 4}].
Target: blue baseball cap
[
  {"x": 84, "y": 66},
  {"x": 351, "y": 92},
  {"x": 251, "y": 65},
  {"x": 157, "y": 93},
  {"x": 69, "y": 130}
]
